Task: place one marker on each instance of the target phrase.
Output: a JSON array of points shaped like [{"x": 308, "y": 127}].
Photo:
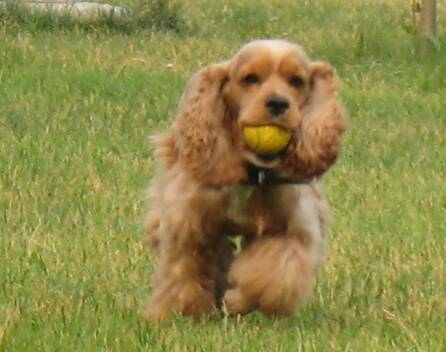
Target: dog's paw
[
  {"x": 235, "y": 302},
  {"x": 188, "y": 299}
]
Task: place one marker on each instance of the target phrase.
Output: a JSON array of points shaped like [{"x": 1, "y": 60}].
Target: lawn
[{"x": 77, "y": 105}]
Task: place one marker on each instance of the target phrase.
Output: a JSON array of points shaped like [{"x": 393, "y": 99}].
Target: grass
[
  {"x": 77, "y": 107},
  {"x": 163, "y": 15}
]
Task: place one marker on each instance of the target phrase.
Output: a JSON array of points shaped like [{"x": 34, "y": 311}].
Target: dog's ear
[
  {"x": 315, "y": 146},
  {"x": 205, "y": 136}
]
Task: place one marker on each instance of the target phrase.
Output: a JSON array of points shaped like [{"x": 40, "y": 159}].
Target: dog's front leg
[
  {"x": 274, "y": 272},
  {"x": 184, "y": 280},
  {"x": 183, "y": 284}
]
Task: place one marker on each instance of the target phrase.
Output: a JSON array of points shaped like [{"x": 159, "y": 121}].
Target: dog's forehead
[
  {"x": 274, "y": 45},
  {"x": 272, "y": 50}
]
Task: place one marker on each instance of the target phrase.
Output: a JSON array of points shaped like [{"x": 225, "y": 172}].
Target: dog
[{"x": 210, "y": 186}]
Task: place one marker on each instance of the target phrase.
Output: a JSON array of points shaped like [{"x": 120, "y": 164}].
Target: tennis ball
[{"x": 266, "y": 139}]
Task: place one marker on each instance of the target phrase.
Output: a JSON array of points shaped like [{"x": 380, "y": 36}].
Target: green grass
[
  {"x": 76, "y": 109},
  {"x": 162, "y": 15}
]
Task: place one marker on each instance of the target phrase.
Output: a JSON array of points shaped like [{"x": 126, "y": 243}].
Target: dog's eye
[
  {"x": 296, "y": 81},
  {"x": 251, "y": 78}
]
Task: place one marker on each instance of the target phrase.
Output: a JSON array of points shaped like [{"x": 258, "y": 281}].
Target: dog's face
[{"x": 268, "y": 84}]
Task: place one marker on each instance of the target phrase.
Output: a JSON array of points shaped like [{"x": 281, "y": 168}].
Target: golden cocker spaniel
[{"x": 211, "y": 186}]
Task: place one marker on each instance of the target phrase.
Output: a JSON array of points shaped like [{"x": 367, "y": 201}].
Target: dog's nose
[{"x": 277, "y": 105}]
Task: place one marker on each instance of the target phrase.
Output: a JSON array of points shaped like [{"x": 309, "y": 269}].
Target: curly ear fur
[
  {"x": 315, "y": 146},
  {"x": 205, "y": 139}
]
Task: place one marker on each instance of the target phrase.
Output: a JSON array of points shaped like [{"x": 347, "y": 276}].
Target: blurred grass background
[{"x": 77, "y": 104}]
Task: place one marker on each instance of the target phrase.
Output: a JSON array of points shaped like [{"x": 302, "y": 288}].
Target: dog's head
[
  {"x": 266, "y": 82},
  {"x": 269, "y": 81}
]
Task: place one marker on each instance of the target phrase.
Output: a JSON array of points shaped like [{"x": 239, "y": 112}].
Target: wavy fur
[{"x": 197, "y": 200}]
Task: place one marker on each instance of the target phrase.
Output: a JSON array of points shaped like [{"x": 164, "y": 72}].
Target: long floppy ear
[
  {"x": 315, "y": 147},
  {"x": 206, "y": 138}
]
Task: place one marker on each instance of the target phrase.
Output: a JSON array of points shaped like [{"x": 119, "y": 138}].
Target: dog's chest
[{"x": 238, "y": 203}]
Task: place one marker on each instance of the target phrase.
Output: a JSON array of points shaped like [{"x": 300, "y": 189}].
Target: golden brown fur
[{"x": 198, "y": 200}]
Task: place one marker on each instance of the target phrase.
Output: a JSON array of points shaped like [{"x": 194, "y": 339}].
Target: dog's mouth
[{"x": 264, "y": 161}]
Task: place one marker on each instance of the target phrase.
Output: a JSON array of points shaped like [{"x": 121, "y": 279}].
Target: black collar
[{"x": 258, "y": 176}]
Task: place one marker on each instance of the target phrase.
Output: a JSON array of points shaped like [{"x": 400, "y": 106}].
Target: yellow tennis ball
[{"x": 266, "y": 139}]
